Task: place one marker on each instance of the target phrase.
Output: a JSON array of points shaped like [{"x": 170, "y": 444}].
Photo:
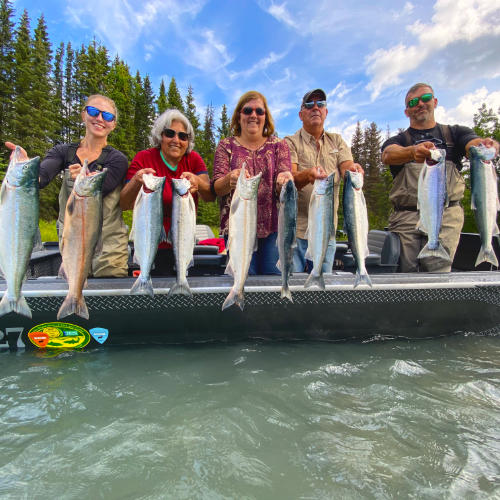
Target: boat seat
[{"x": 203, "y": 232}]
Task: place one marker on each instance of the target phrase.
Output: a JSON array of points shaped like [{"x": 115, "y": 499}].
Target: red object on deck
[{"x": 218, "y": 242}]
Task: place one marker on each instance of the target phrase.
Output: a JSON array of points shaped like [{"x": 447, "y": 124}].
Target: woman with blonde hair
[{"x": 254, "y": 144}]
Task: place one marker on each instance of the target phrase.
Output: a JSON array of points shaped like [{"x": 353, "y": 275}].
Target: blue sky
[{"x": 363, "y": 53}]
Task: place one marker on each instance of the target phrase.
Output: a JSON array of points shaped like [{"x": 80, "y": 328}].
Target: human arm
[
  {"x": 394, "y": 154},
  {"x": 199, "y": 184},
  {"x": 224, "y": 179},
  {"x": 350, "y": 165},
  {"x": 486, "y": 141},
  {"x": 283, "y": 165}
]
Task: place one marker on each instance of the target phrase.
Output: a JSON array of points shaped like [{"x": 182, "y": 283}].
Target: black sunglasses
[
  {"x": 310, "y": 105},
  {"x": 424, "y": 98},
  {"x": 170, "y": 133},
  {"x": 247, "y": 110},
  {"x": 93, "y": 112}
]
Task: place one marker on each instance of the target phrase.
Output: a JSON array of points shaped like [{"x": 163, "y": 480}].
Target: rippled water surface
[{"x": 259, "y": 420}]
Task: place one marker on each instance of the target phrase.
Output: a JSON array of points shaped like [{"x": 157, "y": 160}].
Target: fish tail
[
  {"x": 20, "y": 306},
  {"x": 73, "y": 305},
  {"x": 234, "y": 297},
  {"x": 143, "y": 284},
  {"x": 286, "y": 293},
  {"x": 315, "y": 279},
  {"x": 440, "y": 252},
  {"x": 181, "y": 288},
  {"x": 487, "y": 255},
  {"x": 362, "y": 277}
]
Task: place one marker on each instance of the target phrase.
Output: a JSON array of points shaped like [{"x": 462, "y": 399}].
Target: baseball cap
[{"x": 319, "y": 92}]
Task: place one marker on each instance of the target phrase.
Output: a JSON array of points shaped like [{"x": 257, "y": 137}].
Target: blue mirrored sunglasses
[
  {"x": 93, "y": 112},
  {"x": 310, "y": 105}
]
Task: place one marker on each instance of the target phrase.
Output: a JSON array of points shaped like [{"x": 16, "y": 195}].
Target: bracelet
[{"x": 212, "y": 187}]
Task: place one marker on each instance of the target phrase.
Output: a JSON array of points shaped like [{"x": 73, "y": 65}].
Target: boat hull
[{"x": 412, "y": 306}]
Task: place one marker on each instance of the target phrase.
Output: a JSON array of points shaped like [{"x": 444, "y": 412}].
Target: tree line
[{"x": 42, "y": 92}]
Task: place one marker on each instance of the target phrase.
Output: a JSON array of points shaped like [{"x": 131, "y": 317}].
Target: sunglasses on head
[
  {"x": 310, "y": 105},
  {"x": 170, "y": 133},
  {"x": 247, "y": 110},
  {"x": 93, "y": 112},
  {"x": 424, "y": 98}
]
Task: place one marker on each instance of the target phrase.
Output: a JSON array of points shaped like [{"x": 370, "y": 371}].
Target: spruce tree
[
  {"x": 6, "y": 76},
  {"x": 58, "y": 105},
  {"x": 357, "y": 145},
  {"x": 174, "y": 99},
  {"x": 224, "y": 130},
  {"x": 192, "y": 116},
  {"x": 143, "y": 111},
  {"x": 69, "y": 99},
  {"x": 161, "y": 102}
]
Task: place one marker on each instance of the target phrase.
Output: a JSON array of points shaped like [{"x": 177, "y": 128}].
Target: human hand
[
  {"x": 233, "y": 177},
  {"x": 355, "y": 167},
  {"x": 422, "y": 151},
  {"x": 12, "y": 147},
  {"x": 193, "y": 180},
  {"x": 317, "y": 173},
  {"x": 282, "y": 178},
  {"x": 138, "y": 175},
  {"x": 488, "y": 142}
]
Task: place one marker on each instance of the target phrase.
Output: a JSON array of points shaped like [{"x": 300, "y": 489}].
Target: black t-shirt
[
  {"x": 55, "y": 161},
  {"x": 459, "y": 134}
]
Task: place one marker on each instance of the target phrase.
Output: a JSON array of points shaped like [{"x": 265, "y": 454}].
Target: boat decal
[
  {"x": 59, "y": 335},
  {"x": 14, "y": 333},
  {"x": 100, "y": 334}
]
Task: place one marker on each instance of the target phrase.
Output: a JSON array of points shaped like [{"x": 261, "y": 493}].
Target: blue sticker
[{"x": 99, "y": 334}]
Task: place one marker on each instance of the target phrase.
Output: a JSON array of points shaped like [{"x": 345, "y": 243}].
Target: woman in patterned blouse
[{"x": 254, "y": 145}]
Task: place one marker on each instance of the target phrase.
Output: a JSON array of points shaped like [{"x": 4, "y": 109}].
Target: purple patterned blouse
[{"x": 271, "y": 158}]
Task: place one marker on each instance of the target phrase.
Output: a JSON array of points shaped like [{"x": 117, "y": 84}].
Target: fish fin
[
  {"x": 420, "y": 226},
  {"x": 181, "y": 288},
  {"x": 256, "y": 244},
  {"x": 315, "y": 280},
  {"x": 37, "y": 243},
  {"x": 362, "y": 278},
  {"x": 143, "y": 285},
  {"x": 495, "y": 230},
  {"x": 486, "y": 255},
  {"x": 473, "y": 202},
  {"x": 440, "y": 252},
  {"x": 135, "y": 259},
  {"x": 62, "y": 273},
  {"x": 286, "y": 293},
  {"x": 163, "y": 234},
  {"x": 98, "y": 246},
  {"x": 73, "y": 305},
  {"x": 229, "y": 269},
  {"x": 234, "y": 298},
  {"x": 498, "y": 204},
  {"x": 170, "y": 238},
  {"x": 191, "y": 263},
  {"x": 20, "y": 306},
  {"x": 278, "y": 265}
]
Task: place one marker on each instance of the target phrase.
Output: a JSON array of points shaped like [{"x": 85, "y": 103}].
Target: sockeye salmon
[
  {"x": 183, "y": 233},
  {"x": 484, "y": 200},
  {"x": 19, "y": 209},
  {"x": 287, "y": 228},
  {"x": 432, "y": 200},
  {"x": 81, "y": 233},
  {"x": 242, "y": 239},
  {"x": 320, "y": 228},
  {"x": 356, "y": 223},
  {"x": 147, "y": 230}
]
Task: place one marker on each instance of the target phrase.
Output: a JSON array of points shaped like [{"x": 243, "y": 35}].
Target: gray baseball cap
[{"x": 319, "y": 92}]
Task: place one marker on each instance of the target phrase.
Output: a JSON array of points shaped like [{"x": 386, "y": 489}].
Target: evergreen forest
[{"x": 43, "y": 88}]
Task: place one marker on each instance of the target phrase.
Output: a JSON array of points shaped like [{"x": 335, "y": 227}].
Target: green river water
[{"x": 393, "y": 419}]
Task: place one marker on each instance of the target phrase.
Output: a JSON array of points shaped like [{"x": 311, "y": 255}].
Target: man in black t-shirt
[{"x": 405, "y": 153}]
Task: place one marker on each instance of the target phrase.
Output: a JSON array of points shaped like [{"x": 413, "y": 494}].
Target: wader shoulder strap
[
  {"x": 446, "y": 133},
  {"x": 408, "y": 138},
  {"x": 102, "y": 157},
  {"x": 70, "y": 153}
]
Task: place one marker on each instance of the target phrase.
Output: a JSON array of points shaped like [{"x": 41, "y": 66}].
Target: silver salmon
[
  {"x": 242, "y": 239},
  {"x": 484, "y": 199},
  {"x": 183, "y": 233},
  {"x": 432, "y": 200},
  {"x": 81, "y": 233},
  {"x": 147, "y": 230},
  {"x": 356, "y": 223},
  {"x": 320, "y": 228},
  {"x": 287, "y": 228},
  {"x": 19, "y": 209}
]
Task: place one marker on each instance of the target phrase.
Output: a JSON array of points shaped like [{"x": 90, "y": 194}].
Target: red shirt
[{"x": 150, "y": 158}]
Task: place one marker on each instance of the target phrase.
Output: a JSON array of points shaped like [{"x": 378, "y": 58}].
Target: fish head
[
  {"x": 437, "y": 156},
  {"x": 181, "y": 186},
  {"x": 89, "y": 183},
  {"x": 152, "y": 182},
  {"x": 356, "y": 178},
  {"x": 324, "y": 186},
  {"x": 22, "y": 173},
  {"x": 482, "y": 152},
  {"x": 288, "y": 192},
  {"x": 248, "y": 188}
]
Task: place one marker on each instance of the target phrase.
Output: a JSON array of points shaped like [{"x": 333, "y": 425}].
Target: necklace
[{"x": 166, "y": 163}]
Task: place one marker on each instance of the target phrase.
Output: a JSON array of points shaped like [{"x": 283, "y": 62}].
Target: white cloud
[
  {"x": 453, "y": 22},
  {"x": 209, "y": 53},
  {"x": 463, "y": 114},
  {"x": 347, "y": 128},
  {"x": 260, "y": 65},
  {"x": 281, "y": 13}
]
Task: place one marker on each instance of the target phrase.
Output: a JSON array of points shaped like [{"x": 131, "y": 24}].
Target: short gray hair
[
  {"x": 416, "y": 87},
  {"x": 165, "y": 121}
]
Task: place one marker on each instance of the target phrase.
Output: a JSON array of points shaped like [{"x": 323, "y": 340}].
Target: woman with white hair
[{"x": 171, "y": 156}]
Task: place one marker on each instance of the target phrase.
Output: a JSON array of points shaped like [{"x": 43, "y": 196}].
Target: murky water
[{"x": 258, "y": 420}]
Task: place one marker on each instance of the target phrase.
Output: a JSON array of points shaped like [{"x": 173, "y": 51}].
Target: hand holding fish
[
  {"x": 138, "y": 176},
  {"x": 193, "y": 180},
  {"x": 233, "y": 177},
  {"x": 488, "y": 142},
  {"x": 281, "y": 179},
  {"x": 422, "y": 151},
  {"x": 23, "y": 156},
  {"x": 350, "y": 165}
]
